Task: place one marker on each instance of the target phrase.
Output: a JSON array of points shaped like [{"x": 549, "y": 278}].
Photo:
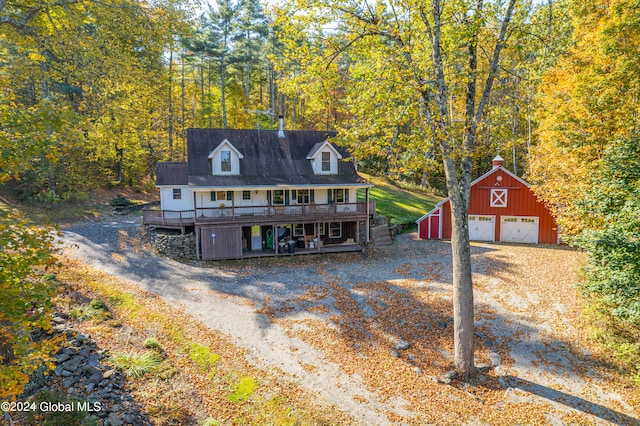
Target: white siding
[{"x": 168, "y": 203}]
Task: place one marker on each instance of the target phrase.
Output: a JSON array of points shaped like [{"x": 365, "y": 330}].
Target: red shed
[{"x": 502, "y": 207}]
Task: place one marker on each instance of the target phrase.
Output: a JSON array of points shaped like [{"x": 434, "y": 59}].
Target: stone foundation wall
[{"x": 175, "y": 246}]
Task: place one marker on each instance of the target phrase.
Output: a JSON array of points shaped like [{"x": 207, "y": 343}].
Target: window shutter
[
  {"x": 312, "y": 196},
  {"x": 286, "y": 197},
  {"x": 212, "y": 194},
  {"x": 230, "y": 195},
  {"x": 330, "y": 195},
  {"x": 346, "y": 195}
]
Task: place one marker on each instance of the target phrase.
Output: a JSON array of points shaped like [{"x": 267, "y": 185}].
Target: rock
[
  {"x": 58, "y": 320},
  {"x": 442, "y": 325},
  {"x": 95, "y": 378},
  {"x": 93, "y": 360},
  {"x": 62, "y": 358},
  {"x": 482, "y": 367},
  {"x": 402, "y": 345},
  {"x": 108, "y": 373},
  {"x": 495, "y": 359},
  {"x": 500, "y": 371},
  {"x": 59, "y": 328},
  {"x": 417, "y": 370},
  {"x": 395, "y": 353},
  {"x": 449, "y": 377},
  {"x": 69, "y": 381},
  {"x": 73, "y": 364}
]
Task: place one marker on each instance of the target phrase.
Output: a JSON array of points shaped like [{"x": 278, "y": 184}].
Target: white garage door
[
  {"x": 519, "y": 229},
  {"x": 482, "y": 228}
]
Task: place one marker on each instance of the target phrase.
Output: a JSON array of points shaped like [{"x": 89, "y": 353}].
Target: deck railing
[
  {"x": 175, "y": 218},
  {"x": 169, "y": 218}
]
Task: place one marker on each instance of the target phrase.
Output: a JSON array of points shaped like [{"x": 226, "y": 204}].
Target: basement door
[
  {"x": 221, "y": 242},
  {"x": 482, "y": 228},
  {"x": 519, "y": 229}
]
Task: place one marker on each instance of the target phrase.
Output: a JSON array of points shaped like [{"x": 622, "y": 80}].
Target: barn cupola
[{"x": 497, "y": 161}]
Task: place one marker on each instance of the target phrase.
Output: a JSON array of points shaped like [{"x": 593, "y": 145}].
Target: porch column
[
  {"x": 197, "y": 243},
  {"x": 275, "y": 238},
  {"x": 195, "y": 206}
]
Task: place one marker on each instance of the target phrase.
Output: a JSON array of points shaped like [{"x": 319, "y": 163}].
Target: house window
[
  {"x": 221, "y": 195},
  {"x": 303, "y": 196},
  {"x": 246, "y": 195},
  {"x": 335, "y": 229},
  {"x": 298, "y": 230},
  {"x": 225, "y": 161},
  {"x": 498, "y": 198},
  {"x": 338, "y": 195},
  {"x": 278, "y": 196},
  {"x": 177, "y": 194},
  {"x": 326, "y": 161}
]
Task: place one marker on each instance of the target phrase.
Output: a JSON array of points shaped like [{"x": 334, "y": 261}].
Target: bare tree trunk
[
  {"x": 222, "y": 94},
  {"x": 183, "y": 132},
  {"x": 170, "y": 102}
]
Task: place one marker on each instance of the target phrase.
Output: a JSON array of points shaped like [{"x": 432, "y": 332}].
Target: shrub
[{"x": 26, "y": 289}]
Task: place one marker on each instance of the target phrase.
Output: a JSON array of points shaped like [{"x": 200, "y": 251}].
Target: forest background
[{"x": 94, "y": 94}]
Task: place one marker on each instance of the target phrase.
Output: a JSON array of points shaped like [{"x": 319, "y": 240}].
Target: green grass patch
[
  {"x": 204, "y": 357},
  {"x": 96, "y": 311},
  {"x": 243, "y": 389},
  {"x": 397, "y": 204},
  {"x": 137, "y": 365},
  {"x": 152, "y": 343}
]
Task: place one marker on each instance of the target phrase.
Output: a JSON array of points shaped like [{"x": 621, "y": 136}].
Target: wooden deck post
[{"x": 367, "y": 224}]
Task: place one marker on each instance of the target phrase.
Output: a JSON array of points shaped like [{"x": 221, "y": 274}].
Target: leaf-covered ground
[{"x": 332, "y": 323}]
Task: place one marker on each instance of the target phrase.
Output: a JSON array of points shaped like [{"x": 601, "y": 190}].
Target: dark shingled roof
[
  {"x": 172, "y": 174},
  {"x": 268, "y": 160}
]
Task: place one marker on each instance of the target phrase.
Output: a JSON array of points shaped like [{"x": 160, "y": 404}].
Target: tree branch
[{"x": 22, "y": 23}]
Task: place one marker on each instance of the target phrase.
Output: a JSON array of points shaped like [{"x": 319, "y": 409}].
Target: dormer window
[
  {"x": 326, "y": 161},
  {"x": 225, "y": 161}
]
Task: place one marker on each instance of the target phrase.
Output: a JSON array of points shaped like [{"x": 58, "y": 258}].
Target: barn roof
[
  {"x": 268, "y": 160},
  {"x": 481, "y": 178}
]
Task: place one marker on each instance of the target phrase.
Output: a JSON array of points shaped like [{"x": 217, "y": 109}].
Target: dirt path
[{"x": 333, "y": 323}]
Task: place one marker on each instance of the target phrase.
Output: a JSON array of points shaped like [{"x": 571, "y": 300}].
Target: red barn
[{"x": 502, "y": 207}]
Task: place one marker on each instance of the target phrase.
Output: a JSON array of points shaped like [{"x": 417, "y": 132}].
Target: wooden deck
[{"x": 257, "y": 215}]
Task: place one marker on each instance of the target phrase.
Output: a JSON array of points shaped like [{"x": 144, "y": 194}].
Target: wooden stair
[{"x": 380, "y": 235}]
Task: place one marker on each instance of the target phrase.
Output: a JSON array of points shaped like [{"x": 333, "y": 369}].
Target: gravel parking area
[{"x": 372, "y": 332}]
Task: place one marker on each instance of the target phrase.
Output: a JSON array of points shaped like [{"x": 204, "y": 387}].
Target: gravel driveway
[{"x": 328, "y": 320}]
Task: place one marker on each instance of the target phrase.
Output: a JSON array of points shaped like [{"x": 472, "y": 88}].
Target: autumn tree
[
  {"x": 438, "y": 62},
  {"x": 26, "y": 290},
  {"x": 84, "y": 63},
  {"x": 585, "y": 163}
]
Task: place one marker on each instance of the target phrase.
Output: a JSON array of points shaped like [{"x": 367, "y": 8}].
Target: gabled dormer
[
  {"x": 324, "y": 159},
  {"x": 225, "y": 159}
]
